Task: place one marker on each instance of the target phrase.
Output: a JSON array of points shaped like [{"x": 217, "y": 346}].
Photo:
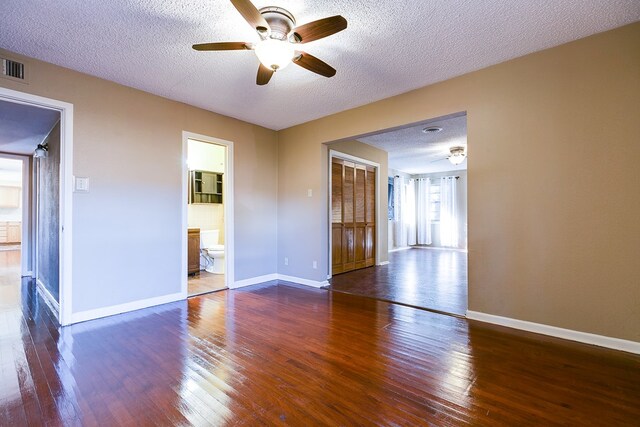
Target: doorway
[
  {"x": 426, "y": 218},
  {"x": 33, "y": 125},
  {"x": 208, "y": 200}
]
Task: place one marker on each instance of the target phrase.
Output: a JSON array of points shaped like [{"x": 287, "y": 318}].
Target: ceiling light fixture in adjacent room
[
  {"x": 41, "y": 151},
  {"x": 432, "y": 129},
  {"x": 458, "y": 155}
]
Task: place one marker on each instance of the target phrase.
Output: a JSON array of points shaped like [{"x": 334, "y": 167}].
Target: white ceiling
[
  {"x": 414, "y": 152},
  {"x": 23, "y": 127},
  {"x": 390, "y": 47}
]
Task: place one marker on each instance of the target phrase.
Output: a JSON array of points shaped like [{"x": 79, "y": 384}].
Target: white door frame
[
  {"x": 66, "y": 190},
  {"x": 227, "y": 191},
  {"x": 348, "y": 157}
]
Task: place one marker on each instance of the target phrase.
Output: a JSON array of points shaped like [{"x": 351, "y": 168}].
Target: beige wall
[
  {"x": 129, "y": 143},
  {"x": 553, "y": 181}
]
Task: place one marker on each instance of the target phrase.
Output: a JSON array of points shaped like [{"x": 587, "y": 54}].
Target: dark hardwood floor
[
  {"x": 277, "y": 354},
  {"x": 430, "y": 278}
]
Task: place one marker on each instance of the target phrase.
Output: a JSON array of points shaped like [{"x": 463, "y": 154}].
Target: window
[{"x": 434, "y": 201}]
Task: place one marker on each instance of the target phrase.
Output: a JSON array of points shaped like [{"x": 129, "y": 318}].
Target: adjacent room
[
  {"x": 426, "y": 185},
  {"x": 206, "y": 224},
  {"x": 239, "y": 213}
]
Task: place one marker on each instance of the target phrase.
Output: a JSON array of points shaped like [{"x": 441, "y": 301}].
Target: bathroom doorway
[{"x": 208, "y": 206}]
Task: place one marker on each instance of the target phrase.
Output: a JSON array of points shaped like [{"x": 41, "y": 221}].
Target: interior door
[{"x": 352, "y": 215}]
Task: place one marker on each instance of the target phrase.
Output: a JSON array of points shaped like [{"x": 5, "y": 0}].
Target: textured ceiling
[
  {"x": 23, "y": 127},
  {"x": 390, "y": 47},
  {"x": 414, "y": 152}
]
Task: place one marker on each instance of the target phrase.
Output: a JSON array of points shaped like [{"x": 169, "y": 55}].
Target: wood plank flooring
[
  {"x": 429, "y": 278},
  {"x": 205, "y": 282},
  {"x": 278, "y": 354}
]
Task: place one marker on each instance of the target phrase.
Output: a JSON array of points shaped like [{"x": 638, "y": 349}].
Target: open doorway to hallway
[
  {"x": 426, "y": 216},
  {"x": 30, "y": 144},
  {"x": 207, "y": 261}
]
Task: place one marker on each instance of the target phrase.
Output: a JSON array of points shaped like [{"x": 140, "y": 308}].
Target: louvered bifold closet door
[
  {"x": 337, "y": 174},
  {"x": 352, "y": 215},
  {"x": 370, "y": 217}
]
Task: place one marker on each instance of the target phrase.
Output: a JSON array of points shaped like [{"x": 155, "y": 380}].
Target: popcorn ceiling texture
[
  {"x": 414, "y": 152},
  {"x": 390, "y": 47}
]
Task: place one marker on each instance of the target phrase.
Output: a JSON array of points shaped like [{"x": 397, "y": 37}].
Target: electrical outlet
[
  {"x": 286, "y": 261},
  {"x": 315, "y": 264},
  {"x": 310, "y": 193}
]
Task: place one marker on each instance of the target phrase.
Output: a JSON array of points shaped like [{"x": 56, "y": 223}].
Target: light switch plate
[{"x": 81, "y": 184}]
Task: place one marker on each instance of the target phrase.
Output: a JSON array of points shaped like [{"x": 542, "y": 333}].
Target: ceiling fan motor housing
[{"x": 280, "y": 20}]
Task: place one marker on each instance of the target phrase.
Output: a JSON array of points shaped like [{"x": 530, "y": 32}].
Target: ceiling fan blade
[
  {"x": 439, "y": 160},
  {"x": 222, "y": 46},
  {"x": 315, "y": 65},
  {"x": 264, "y": 75},
  {"x": 319, "y": 29},
  {"x": 251, "y": 14}
]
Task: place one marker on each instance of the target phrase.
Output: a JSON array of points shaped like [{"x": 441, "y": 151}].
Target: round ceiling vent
[{"x": 432, "y": 129}]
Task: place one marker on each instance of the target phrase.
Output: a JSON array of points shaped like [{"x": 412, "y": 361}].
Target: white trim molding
[
  {"x": 254, "y": 281},
  {"x": 48, "y": 298},
  {"x": 567, "y": 334},
  {"x": 228, "y": 206},
  {"x": 66, "y": 191},
  {"x": 383, "y": 263},
  {"x": 404, "y": 248},
  {"x": 301, "y": 281},
  {"x": 97, "y": 313},
  {"x": 275, "y": 276}
]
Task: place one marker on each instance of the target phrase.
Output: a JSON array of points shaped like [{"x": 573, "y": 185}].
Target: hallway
[{"x": 435, "y": 279}]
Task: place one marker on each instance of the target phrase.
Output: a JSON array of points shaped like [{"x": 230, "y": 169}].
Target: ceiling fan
[
  {"x": 457, "y": 156},
  {"x": 278, "y": 39}
]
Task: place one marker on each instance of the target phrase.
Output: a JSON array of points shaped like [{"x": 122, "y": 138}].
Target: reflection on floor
[
  {"x": 276, "y": 354},
  {"x": 9, "y": 279},
  {"x": 430, "y": 278},
  {"x": 205, "y": 282}
]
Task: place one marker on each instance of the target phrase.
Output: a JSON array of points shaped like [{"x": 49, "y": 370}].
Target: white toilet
[{"x": 211, "y": 253}]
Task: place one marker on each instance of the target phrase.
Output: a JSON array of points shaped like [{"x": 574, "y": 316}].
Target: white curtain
[
  {"x": 410, "y": 212},
  {"x": 448, "y": 212},
  {"x": 423, "y": 211},
  {"x": 399, "y": 200}
]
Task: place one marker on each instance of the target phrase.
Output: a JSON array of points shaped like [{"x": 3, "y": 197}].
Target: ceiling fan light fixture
[
  {"x": 275, "y": 54},
  {"x": 457, "y": 155}
]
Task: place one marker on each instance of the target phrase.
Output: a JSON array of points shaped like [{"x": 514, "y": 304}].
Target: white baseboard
[
  {"x": 383, "y": 263},
  {"x": 254, "y": 281},
  {"x": 567, "y": 334},
  {"x": 441, "y": 248},
  {"x": 97, "y": 313},
  {"x": 404, "y": 248},
  {"x": 301, "y": 281},
  {"x": 48, "y": 298},
  {"x": 275, "y": 276}
]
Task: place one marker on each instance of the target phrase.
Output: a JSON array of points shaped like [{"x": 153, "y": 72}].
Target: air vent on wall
[{"x": 13, "y": 69}]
